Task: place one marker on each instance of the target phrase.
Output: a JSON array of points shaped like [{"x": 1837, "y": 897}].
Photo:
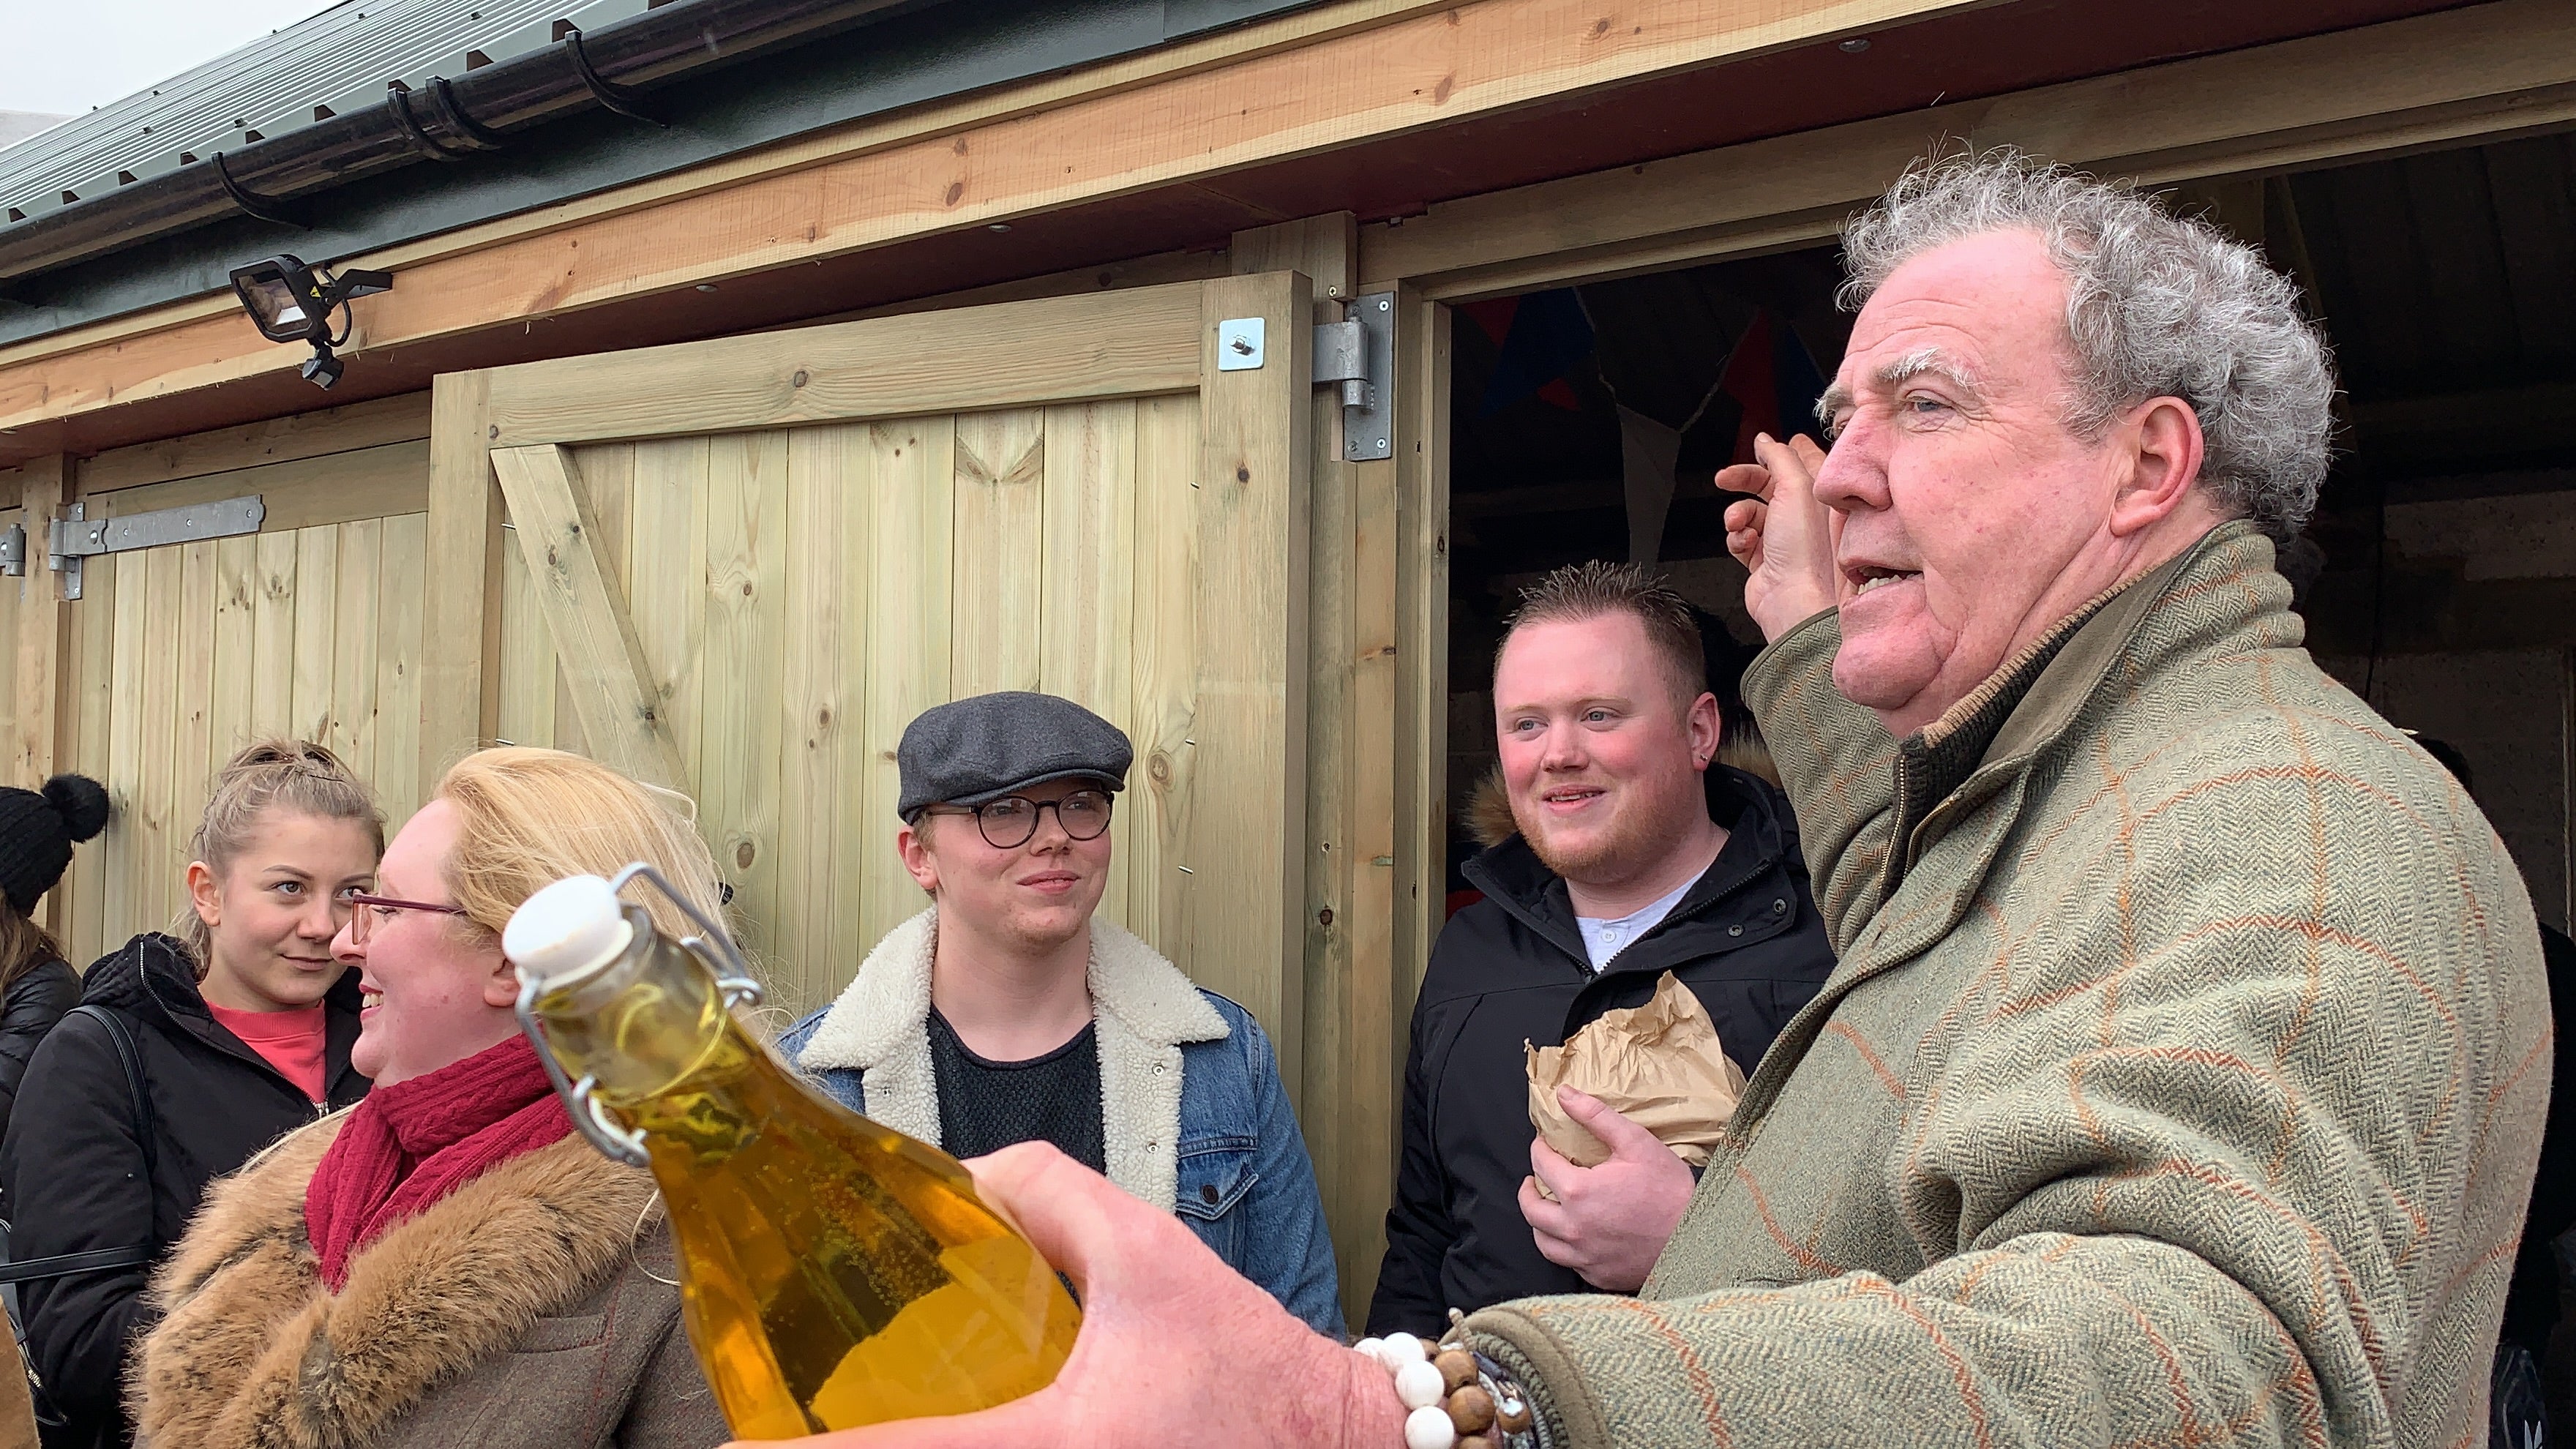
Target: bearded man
[
  {"x": 2183, "y": 1072},
  {"x": 1636, "y": 855}
]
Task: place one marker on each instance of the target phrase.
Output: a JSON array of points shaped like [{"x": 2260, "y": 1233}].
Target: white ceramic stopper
[{"x": 567, "y": 931}]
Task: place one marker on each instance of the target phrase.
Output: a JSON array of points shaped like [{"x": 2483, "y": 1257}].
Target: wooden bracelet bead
[
  {"x": 1471, "y": 1410},
  {"x": 1457, "y": 1369}
]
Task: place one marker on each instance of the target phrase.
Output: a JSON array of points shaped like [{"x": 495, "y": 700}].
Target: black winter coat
[
  {"x": 72, "y": 1163},
  {"x": 1512, "y": 968},
  {"x": 33, "y": 1004}
]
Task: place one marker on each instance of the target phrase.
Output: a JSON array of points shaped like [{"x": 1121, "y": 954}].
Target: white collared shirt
[{"x": 1605, "y": 938}]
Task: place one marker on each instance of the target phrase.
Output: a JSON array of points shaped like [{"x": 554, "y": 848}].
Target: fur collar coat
[
  {"x": 1143, "y": 1008},
  {"x": 529, "y": 1307}
]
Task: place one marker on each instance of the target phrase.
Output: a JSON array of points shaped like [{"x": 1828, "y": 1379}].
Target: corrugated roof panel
[{"x": 341, "y": 58}]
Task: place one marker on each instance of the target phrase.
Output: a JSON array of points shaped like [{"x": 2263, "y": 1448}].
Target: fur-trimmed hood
[
  {"x": 253, "y": 1352},
  {"x": 1143, "y": 1007}
]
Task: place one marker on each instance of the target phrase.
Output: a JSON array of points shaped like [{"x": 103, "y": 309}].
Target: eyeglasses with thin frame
[
  {"x": 365, "y": 909},
  {"x": 1012, "y": 821}
]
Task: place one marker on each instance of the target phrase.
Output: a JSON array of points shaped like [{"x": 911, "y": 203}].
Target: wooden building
[{"x": 974, "y": 346}]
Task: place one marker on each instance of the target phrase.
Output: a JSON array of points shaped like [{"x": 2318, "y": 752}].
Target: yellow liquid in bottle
[{"x": 833, "y": 1272}]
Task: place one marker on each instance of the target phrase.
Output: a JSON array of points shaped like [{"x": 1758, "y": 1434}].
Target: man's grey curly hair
[{"x": 2156, "y": 306}]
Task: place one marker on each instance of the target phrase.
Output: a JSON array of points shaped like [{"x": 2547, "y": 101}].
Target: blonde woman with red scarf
[{"x": 446, "y": 1263}]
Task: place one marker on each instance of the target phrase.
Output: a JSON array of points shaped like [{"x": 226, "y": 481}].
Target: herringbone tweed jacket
[{"x": 2180, "y": 1083}]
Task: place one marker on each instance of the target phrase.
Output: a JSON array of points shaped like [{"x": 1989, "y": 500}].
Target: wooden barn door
[{"x": 739, "y": 569}]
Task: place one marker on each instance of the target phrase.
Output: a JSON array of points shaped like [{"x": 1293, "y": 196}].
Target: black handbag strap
[
  {"x": 131, "y": 1056},
  {"x": 59, "y": 1265},
  {"x": 96, "y": 1260}
]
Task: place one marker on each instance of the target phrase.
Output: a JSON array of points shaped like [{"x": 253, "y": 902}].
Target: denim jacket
[{"x": 1196, "y": 1120}]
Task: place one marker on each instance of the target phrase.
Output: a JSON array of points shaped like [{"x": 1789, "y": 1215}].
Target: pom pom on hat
[
  {"x": 81, "y": 801},
  {"x": 37, "y": 831}
]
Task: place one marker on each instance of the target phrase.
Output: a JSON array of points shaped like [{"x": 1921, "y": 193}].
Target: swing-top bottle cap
[{"x": 567, "y": 931}]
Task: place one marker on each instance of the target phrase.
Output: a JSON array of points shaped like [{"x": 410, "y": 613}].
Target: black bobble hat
[
  {"x": 970, "y": 751},
  {"x": 37, "y": 828}
]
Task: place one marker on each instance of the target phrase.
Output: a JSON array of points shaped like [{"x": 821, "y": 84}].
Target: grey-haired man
[
  {"x": 2182, "y": 1074},
  {"x": 1008, "y": 1012}
]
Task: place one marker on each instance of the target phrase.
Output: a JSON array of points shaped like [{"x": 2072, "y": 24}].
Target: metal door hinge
[
  {"x": 1358, "y": 354},
  {"x": 76, "y": 536},
  {"x": 13, "y": 551}
]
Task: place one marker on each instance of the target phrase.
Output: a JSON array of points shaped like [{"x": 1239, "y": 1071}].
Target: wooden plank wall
[{"x": 800, "y": 595}]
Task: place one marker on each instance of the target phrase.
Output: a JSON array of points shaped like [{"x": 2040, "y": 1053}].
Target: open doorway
[{"x": 2438, "y": 577}]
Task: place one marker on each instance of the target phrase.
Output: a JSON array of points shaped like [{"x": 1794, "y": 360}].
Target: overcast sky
[{"x": 65, "y": 56}]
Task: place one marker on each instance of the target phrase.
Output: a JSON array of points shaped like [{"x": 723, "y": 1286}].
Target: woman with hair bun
[
  {"x": 240, "y": 1026},
  {"x": 37, "y": 986}
]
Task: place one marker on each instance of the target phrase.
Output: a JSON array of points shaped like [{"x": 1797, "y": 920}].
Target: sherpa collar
[{"x": 1144, "y": 1008}]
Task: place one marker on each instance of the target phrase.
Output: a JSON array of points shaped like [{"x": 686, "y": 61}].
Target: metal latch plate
[{"x": 1239, "y": 343}]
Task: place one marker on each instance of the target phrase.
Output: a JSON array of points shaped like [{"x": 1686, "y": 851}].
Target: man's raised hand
[
  {"x": 1785, "y": 540},
  {"x": 1609, "y": 1222}
]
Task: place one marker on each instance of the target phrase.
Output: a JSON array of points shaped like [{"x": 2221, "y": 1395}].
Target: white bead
[
  {"x": 1419, "y": 1385},
  {"x": 1429, "y": 1428},
  {"x": 1403, "y": 1348},
  {"x": 1370, "y": 1348}
]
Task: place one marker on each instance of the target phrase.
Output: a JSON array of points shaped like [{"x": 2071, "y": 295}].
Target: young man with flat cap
[{"x": 1006, "y": 1013}]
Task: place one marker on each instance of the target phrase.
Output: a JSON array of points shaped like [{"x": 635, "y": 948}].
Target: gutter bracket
[
  {"x": 398, "y": 103},
  {"x": 259, "y": 208},
  {"x": 451, "y": 110},
  {"x": 1358, "y": 354},
  {"x": 612, "y": 97}
]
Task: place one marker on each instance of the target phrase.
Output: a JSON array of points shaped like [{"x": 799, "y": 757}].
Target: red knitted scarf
[{"x": 409, "y": 1145}]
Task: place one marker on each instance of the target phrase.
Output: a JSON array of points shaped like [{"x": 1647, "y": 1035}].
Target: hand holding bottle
[{"x": 1175, "y": 1347}]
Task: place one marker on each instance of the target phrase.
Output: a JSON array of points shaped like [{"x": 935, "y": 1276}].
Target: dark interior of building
[{"x": 2438, "y": 577}]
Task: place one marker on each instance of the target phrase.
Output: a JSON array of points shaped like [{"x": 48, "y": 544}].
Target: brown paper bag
[{"x": 1659, "y": 1064}]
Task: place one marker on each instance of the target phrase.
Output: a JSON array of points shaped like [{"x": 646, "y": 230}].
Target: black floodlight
[{"x": 291, "y": 302}]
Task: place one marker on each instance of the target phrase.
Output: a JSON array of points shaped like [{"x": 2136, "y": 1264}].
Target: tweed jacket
[
  {"x": 532, "y": 1308},
  {"x": 2180, "y": 1082}
]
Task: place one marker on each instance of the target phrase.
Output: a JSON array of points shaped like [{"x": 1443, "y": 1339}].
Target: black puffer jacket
[
  {"x": 72, "y": 1164},
  {"x": 1512, "y": 968},
  {"x": 33, "y": 1004}
]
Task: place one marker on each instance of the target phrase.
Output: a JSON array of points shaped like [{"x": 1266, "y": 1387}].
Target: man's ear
[
  {"x": 1707, "y": 724},
  {"x": 2163, "y": 446},
  {"x": 913, "y": 844}
]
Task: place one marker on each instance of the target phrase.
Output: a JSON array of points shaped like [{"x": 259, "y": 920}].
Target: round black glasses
[{"x": 1012, "y": 821}]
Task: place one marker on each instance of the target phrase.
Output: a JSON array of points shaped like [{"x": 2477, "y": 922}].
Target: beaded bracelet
[{"x": 1455, "y": 1397}]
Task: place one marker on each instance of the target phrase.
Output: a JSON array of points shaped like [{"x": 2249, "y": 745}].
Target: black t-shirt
[{"x": 986, "y": 1106}]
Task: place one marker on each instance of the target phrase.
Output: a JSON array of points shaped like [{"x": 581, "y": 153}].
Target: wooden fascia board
[
  {"x": 2434, "y": 77},
  {"x": 1415, "y": 67},
  {"x": 840, "y": 143}
]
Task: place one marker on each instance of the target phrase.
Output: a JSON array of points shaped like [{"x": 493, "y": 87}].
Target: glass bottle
[{"x": 833, "y": 1272}]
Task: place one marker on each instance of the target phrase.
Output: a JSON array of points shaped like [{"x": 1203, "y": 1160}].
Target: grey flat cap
[{"x": 970, "y": 751}]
